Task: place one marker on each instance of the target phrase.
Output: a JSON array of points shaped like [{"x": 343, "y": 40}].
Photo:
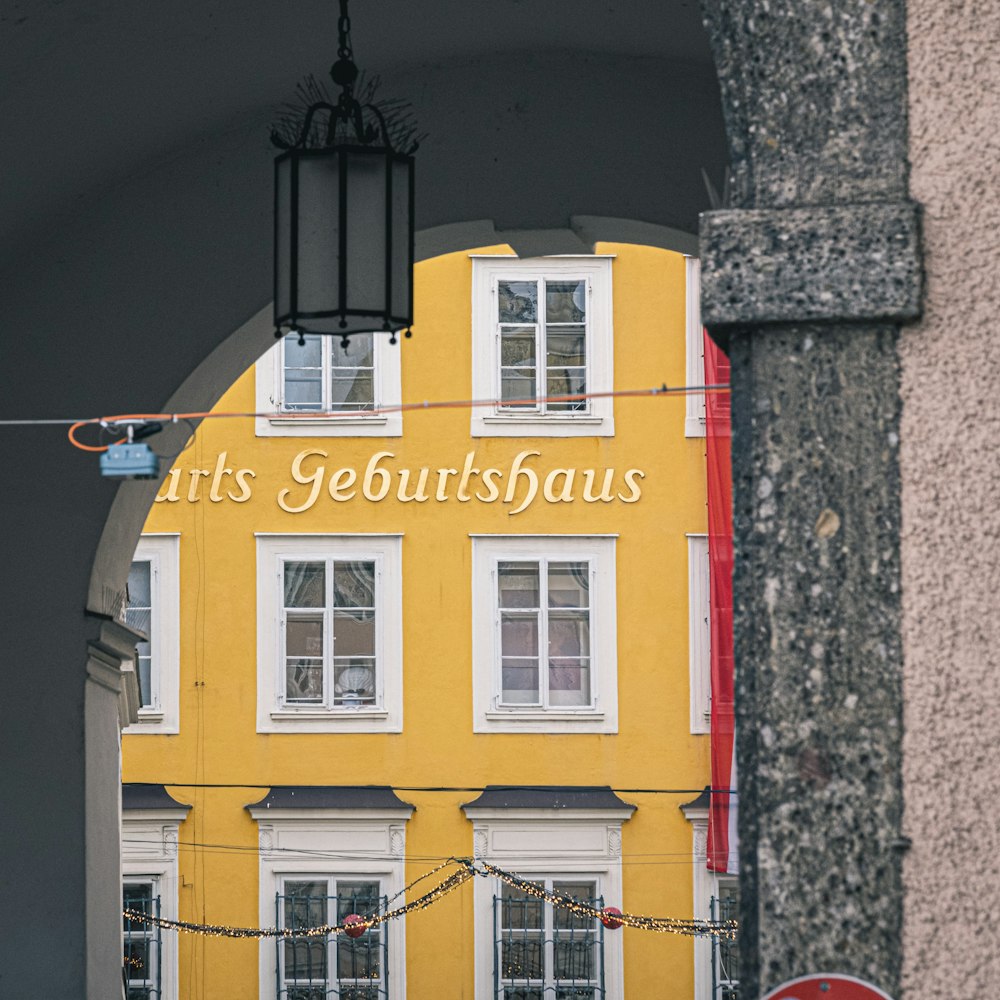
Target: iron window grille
[
  {"x": 542, "y": 952},
  {"x": 335, "y": 966},
  {"x": 725, "y": 954},
  {"x": 143, "y": 952}
]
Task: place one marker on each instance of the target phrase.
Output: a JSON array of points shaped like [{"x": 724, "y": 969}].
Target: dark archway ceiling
[{"x": 94, "y": 93}]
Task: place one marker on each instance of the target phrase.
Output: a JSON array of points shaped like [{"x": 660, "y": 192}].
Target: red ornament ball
[
  {"x": 610, "y": 917},
  {"x": 354, "y": 926}
]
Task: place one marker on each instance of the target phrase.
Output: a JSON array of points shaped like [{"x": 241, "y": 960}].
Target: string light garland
[
  {"x": 111, "y": 423},
  {"x": 354, "y": 925}
]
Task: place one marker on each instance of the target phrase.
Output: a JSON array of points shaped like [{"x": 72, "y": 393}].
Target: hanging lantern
[{"x": 343, "y": 211}]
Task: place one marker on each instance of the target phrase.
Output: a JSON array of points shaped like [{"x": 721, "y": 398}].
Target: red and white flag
[{"x": 723, "y": 844}]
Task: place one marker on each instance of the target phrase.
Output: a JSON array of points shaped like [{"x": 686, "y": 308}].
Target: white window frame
[
  {"x": 269, "y": 383},
  {"x": 386, "y": 715},
  {"x": 699, "y": 634},
  {"x": 601, "y": 716},
  {"x": 332, "y": 981},
  {"x": 162, "y": 552},
  {"x": 598, "y": 419},
  {"x": 341, "y": 843},
  {"x": 570, "y": 844},
  {"x": 694, "y": 340},
  {"x": 149, "y": 854},
  {"x": 705, "y": 885}
]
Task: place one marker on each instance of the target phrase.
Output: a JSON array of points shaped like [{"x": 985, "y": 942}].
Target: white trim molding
[
  {"x": 699, "y": 634},
  {"x": 694, "y": 338},
  {"x": 600, "y": 715},
  {"x": 558, "y": 843},
  {"x": 268, "y": 383},
  {"x": 355, "y": 843},
  {"x": 162, "y": 714},
  {"x": 596, "y": 419},
  {"x": 385, "y": 715},
  {"x": 149, "y": 853}
]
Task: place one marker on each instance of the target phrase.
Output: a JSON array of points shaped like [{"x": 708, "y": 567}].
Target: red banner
[{"x": 722, "y": 840}]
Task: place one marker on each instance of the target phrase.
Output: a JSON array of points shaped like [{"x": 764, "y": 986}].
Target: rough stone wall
[{"x": 951, "y": 508}]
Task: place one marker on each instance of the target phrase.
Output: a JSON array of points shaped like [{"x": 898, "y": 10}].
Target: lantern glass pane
[
  {"x": 282, "y": 234},
  {"x": 402, "y": 224},
  {"x": 319, "y": 233},
  {"x": 366, "y": 232}
]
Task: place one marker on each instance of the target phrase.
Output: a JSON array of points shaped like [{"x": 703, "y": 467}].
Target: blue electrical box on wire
[{"x": 130, "y": 461}]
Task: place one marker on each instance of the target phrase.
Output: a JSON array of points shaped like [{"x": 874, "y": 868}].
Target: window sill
[
  {"x": 287, "y": 420},
  {"x": 542, "y": 425},
  {"x": 328, "y": 715},
  {"x": 543, "y": 715},
  {"x": 587, "y": 721}
]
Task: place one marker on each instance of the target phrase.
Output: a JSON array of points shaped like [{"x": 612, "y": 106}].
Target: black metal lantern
[{"x": 343, "y": 216}]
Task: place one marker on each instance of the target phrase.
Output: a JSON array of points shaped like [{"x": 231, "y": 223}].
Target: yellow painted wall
[{"x": 218, "y": 743}]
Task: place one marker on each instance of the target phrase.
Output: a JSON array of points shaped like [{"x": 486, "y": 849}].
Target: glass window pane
[
  {"x": 517, "y": 347},
  {"x": 359, "y": 352},
  {"x": 353, "y": 633},
  {"x": 583, "y": 892},
  {"x": 569, "y": 634},
  {"x": 573, "y": 954},
  {"x": 519, "y": 679},
  {"x": 569, "y": 682},
  {"x": 518, "y": 584},
  {"x": 305, "y": 585},
  {"x": 137, "y": 897},
  {"x": 519, "y": 634},
  {"x": 517, "y": 301},
  {"x": 354, "y": 681},
  {"x": 517, "y": 390},
  {"x": 359, "y": 958},
  {"x": 304, "y": 681},
  {"x": 145, "y": 676},
  {"x": 567, "y": 347},
  {"x": 309, "y": 355},
  {"x": 522, "y": 955},
  {"x": 565, "y": 301},
  {"x": 303, "y": 393},
  {"x": 354, "y": 584},
  {"x": 569, "y": 584},
  {"x": 305, "y": 959},
  {"x": 139, "y": 584},
  {"x": 304, "y": 636},
  {"x": 352, "y": 392},
  {"x": 522, "y": 993},
  {"x": 567, "y": 382},
  {"x": 518, "y": 909},
  {"x": 306, "y": 993},
  {"x": 361, "y": 897}
]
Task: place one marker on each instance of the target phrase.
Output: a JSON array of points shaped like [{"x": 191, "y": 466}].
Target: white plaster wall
[{"x": 951, "y": 509}]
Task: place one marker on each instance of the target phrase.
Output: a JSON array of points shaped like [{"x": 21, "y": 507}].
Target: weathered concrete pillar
[{"x": 805, "y": 280}]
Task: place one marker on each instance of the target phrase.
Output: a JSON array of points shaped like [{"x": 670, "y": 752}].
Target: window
[
  {"x": 142, "y": 960},
  {"x": 699, "y": 634},
  {"x": 568, "y": 840},
  {"x": 153, "y": 607},
  {"x": 543, "y": 950},
  {"x": 716, "y": 897},
  {"x": 327, "y": 852},
  {"x": 725, "y": 905},
  {"x": 313, "y": 968},
  {"x": 150, "y": 823},
  {"x": 329, "y": 633},
  {"x": 542, "y": 329},
  {"x": 544, "y": 634},
  {"x": 320, "y": 376}
]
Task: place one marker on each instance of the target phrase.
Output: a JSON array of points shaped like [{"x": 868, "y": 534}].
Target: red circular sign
[{"x": 827, "y": 987}]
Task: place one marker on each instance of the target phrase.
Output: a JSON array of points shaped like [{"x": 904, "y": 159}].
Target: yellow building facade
[{"x": 386, "y": 639}]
